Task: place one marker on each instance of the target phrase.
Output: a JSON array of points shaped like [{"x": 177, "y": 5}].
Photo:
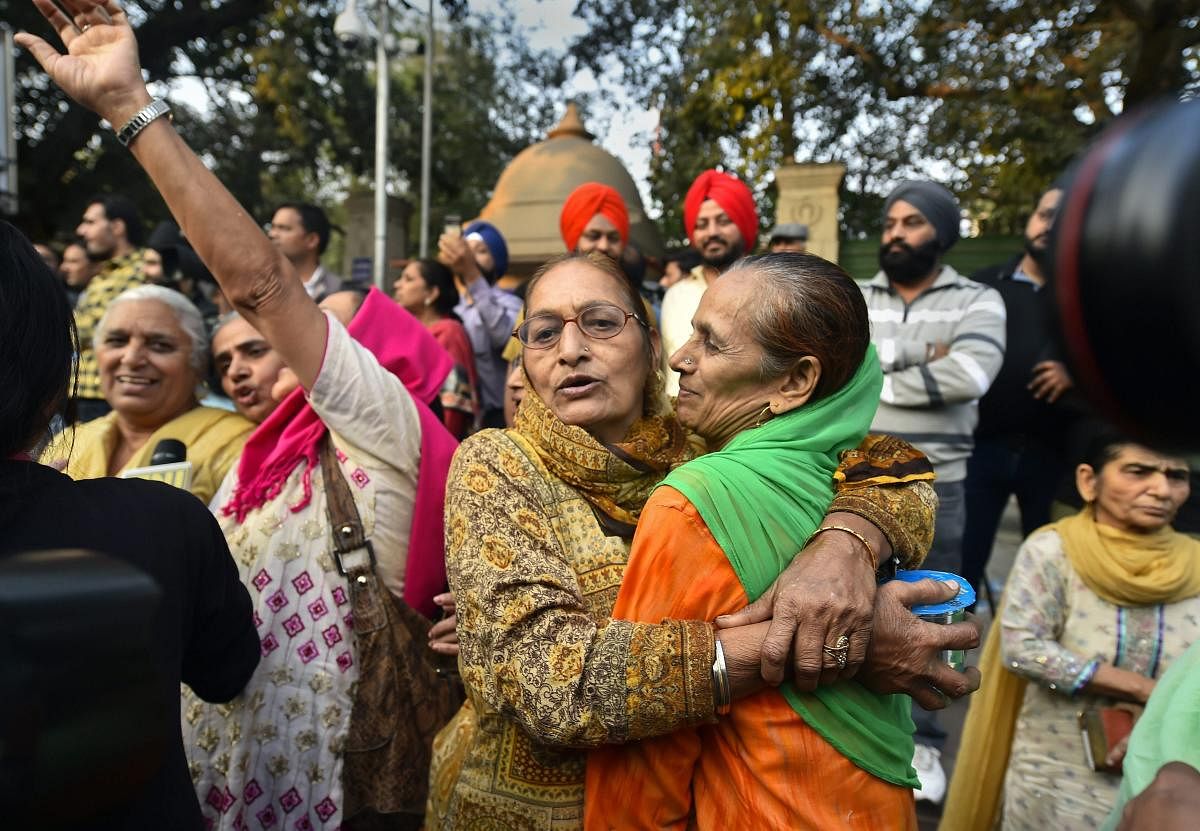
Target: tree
[
  {"x": 285, "y": 112},
  {"x": 994, "y": 96}
]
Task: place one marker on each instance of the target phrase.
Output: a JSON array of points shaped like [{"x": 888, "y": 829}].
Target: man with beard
[
  {"x": 940, "y": 338},
  {"x": 112, "y": 233},
  {"x": 722, "y": 223},
  {"x": 1022, "y": 420}
]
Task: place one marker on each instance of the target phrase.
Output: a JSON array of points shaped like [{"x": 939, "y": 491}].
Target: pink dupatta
[{"x": 292, "y": 434}]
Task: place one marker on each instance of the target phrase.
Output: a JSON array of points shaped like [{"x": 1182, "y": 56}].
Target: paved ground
[{"x": 1007, "y": 541}]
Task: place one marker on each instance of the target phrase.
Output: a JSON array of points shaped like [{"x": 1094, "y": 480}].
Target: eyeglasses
[{"x": 600, "y": 321}]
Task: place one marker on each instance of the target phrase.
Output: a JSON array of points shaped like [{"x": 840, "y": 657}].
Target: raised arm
[{"x": 101, "y": 72}]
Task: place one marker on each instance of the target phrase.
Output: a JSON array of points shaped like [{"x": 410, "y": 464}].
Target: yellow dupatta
[
  {"x": 213, "y": 438},
  {"x": 616, "y": 479},
  {"x": 1123, "y": 568}
]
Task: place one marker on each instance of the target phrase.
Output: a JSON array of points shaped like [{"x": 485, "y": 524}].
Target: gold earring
[{"x": 764, "y": 416}]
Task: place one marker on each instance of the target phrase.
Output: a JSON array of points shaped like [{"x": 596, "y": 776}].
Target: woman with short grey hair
[
  {"x": 186, "y": 315},
  {"x": 152, "y": 352}
]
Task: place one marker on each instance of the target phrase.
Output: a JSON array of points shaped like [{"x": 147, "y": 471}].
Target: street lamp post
[
  {"x": 383, "y": 85},
  {"x": 427, "y": 132},
  {"x": 352, "y": 32}
]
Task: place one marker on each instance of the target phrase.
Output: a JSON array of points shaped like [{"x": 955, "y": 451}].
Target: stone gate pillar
[
  {"x": 808, "y": 193},
  {"x": 360, "y": 236}
]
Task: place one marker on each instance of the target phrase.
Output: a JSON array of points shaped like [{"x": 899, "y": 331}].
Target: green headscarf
[{"x": 761, "y": 497}]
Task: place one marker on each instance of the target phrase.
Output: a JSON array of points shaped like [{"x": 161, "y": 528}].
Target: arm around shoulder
[{"x": 529, "y": 644}]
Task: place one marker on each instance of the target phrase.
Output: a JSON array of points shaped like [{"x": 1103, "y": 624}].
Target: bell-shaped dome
[{"x": 529, "y": 196}]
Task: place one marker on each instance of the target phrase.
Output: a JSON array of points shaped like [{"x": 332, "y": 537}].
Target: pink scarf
[{"x": 292, "y": 435}]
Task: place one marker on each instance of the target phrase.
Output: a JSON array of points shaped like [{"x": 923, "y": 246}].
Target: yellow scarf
[
  {"x": 616, "y": 479},
  {"x": 1124, "y": 569},
  {"x": 1131, "y": 569},
  {"x": 213, "y": 438}
]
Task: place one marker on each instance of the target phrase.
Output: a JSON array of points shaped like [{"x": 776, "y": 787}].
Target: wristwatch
[{"x": 155, "y": 109}]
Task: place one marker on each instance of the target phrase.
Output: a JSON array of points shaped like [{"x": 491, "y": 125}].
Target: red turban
[
  {"x": 584, "y": 203},
  {"x": 734, "y": 198}
]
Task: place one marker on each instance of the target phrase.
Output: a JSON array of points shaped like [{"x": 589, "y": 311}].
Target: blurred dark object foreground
[
  {"x": 78, "y": 707},
  {"x": 1127, "y": 273}
]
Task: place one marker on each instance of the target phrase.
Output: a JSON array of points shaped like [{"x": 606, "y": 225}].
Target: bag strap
[{"x": 348, "y": 535}]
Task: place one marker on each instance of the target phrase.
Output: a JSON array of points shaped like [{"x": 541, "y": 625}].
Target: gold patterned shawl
[{"x": 615, "y": 479}]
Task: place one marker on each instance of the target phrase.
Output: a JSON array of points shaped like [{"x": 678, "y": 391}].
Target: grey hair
[
  {"x": 223, "y": 321},
  {"x": 806, "y": 306},
  {"x": 186, "y": 314}
]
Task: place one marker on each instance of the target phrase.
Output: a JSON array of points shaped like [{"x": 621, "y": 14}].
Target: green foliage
[
  {"x": 992, "y": 96},
  {"x": 288, "y": 113}
]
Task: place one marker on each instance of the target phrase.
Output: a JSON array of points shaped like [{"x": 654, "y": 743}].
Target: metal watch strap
[{"x": 155, "y": 109}]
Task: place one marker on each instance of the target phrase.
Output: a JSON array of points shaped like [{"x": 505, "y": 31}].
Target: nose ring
[{"x": 687, "y": 362}]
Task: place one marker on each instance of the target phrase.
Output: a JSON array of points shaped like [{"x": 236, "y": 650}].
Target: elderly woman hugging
[
  {"x": 779, "y": 378},
  {"x": 539, "y": 523}
]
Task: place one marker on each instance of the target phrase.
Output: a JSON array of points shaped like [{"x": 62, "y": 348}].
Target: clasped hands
[{"x": 829, "y": 592}]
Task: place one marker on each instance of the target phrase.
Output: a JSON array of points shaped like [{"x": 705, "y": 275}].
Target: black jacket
[
  {"x": 203, "y": 633},
  {"x": 1008, "y": 409}
]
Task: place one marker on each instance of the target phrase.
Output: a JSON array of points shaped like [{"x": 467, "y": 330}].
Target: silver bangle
[
  {"x": 142, "y": 119},
  {"x": 722, "y": 693}
]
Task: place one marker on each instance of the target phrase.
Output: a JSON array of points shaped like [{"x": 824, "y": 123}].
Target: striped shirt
[{"x": 934, "y": 404}]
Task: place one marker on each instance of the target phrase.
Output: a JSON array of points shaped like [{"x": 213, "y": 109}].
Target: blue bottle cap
[{"x": 965, "y": 597}]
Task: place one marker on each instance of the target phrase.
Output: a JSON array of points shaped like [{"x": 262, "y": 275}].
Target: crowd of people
[{"x": 655, "y": 536}]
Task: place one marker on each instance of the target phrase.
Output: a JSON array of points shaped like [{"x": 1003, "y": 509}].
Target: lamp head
[{"x": 350, "y": 28}]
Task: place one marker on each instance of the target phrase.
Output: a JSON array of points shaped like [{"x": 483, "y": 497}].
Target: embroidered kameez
[
  {"x": 1055, "y": 630},
  {"x": 272, "y": 757}
]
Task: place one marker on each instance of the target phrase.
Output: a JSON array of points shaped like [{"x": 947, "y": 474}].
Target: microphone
[
  {"x": 168, "y": 463},
  {"x": 168, "y": 451}
]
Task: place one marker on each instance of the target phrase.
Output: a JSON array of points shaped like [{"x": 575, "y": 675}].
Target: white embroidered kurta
[
  {"x": 271, "y": 758},
  {"x": 1055, "y": 630}
]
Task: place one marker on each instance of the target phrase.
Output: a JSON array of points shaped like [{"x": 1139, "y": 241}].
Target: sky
[{"x": 549, "y": 25}]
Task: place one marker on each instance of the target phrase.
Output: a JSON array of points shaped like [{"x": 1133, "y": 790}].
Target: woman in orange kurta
[
  {"x": 790, "y": 330},
  {"x": 762, "y": 760}
]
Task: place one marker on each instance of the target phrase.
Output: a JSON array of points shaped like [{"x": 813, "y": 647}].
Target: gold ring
[{"x": 839, "y": 651}]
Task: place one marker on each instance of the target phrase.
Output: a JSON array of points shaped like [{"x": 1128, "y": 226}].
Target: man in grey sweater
[{"x": 940, "y": 338}]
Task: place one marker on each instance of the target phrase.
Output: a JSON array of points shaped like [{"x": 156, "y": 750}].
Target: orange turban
[
  {"x": 584, "y": 203},
  {"x": 734, "y": 198}
]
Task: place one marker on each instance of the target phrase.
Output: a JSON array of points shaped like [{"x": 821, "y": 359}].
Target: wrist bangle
[
  {"x": 872, "y": 557},
  {"x": 142, "y": 119},
  {"x": 722, "y": 693}
]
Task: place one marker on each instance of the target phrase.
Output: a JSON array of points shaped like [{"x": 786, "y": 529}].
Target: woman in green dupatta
[{"x": 779, "y": 378}]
